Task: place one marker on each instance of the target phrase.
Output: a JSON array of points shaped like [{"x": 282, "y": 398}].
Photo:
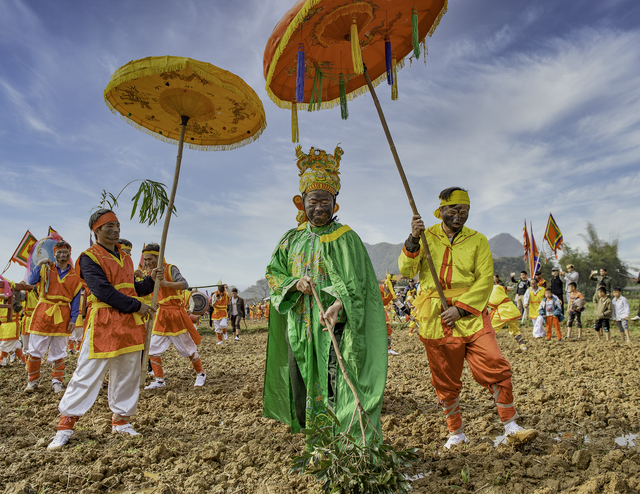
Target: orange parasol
[
  {"x": 323, "y": 52},
  {"x": 180, "y": 100}
]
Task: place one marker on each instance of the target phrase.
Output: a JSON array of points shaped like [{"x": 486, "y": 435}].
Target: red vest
[
  {"x": 113, "y": 332},
  {"x": 172, "y": 318},
  {"x": 53, "y": 312},
  {"x": 219, "y": 306}
]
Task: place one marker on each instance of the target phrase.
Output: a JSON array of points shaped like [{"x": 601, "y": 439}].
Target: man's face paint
[
  {"x": 62, "y": 256},
  {"x": 150, "y": 261},
  {"x": 455, "y": 216},
  {"x": 110, "y": 231},
  {"x": 318, "y": 206}
]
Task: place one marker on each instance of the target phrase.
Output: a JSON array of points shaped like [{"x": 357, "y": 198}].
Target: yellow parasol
[
  {"x": 340, "y": 46},
  {"x": 181, "y": 100}
]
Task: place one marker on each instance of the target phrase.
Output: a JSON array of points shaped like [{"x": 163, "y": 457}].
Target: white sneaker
[
  {"x": 200, "y": 379},
  {"x": 517, "y": 434},
  {"x": 226, "y": 336},
  {"x": 154, "y": 385},
  {"x": 237, "y": 338},
  {"x": 60, "y": 439},
  {"x": 391, "y": 352},
  {"x": 4, "y": 362},
  {"x": 512, "y": 428},
  {"x": 57, "y": 386},
  {"x": 12, "y": 357},
  {"x": 523, "y": 347},
  {"x": 124, "y": 429},
  {"x": 31, "y": 386},
  {"x": 456, "y": 439},
  {"x": 220, "y": 342},
  {"x": 635, "y": 318}
]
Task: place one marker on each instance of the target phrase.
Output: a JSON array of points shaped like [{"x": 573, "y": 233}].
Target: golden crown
[{"x": 319, "y": 170}]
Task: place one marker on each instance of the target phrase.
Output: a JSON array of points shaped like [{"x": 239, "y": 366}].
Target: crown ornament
[{"x": 319, "y": 170}]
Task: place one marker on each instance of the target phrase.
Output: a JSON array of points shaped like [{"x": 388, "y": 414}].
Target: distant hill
[
  {"x": 505, "y": 245},
  {"x": 383, "y": 256}
]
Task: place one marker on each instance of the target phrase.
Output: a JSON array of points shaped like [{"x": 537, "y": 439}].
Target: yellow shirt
[
  {"x": 502, "y": 308},
  {"x": 466, "y": 274}
]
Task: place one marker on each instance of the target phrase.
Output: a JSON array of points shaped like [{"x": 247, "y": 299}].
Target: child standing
[
  {"x": 576, "y": 306},
  {"x": 621, "y": 312},
  {"x": 551, "y": 310},
  {"x": 604, "y": 310}
]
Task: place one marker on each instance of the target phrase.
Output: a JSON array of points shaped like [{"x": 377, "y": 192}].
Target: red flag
[
  {"x": 553, "y": 235},
  {"x": 54, "y": 234},
  {"x": 534, "y": 255},
  {"x": 525, "y": 243}
]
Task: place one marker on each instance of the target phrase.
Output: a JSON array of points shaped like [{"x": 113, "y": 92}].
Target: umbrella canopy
[
  {"x": 324, "y": 29},
  {"x": 153, "y": 93}
]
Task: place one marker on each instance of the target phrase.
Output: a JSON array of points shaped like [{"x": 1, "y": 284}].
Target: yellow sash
[
  {"x": 54, "y": 311},
  {"x": 102, "y": 305},
  {"x": 422, "y": 302}
]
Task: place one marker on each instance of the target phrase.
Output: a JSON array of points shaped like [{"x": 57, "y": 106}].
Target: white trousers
[
  {"x": 77, "y": 334},
  {"x": 57, "y": 346},
  {"x": 83, "y": 389},
  {"x": 220, "y": 325},
  {"x": 10, "y": 346},
  {"x": 25, "y": 342},
  {"x": 538, "y": 328},
  {"x": 183, "y": 343}
]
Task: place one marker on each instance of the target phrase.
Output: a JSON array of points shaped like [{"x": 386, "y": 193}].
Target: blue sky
[{"x": 533, "y": 107}]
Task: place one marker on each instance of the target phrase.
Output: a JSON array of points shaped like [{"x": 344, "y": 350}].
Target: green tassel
[
  {"x": 416, "y": 35},
  {"x": 315, "y": 102},
  {"x": 344, "y": 111}
]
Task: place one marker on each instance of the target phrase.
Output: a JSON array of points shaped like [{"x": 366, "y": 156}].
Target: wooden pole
[
  {"x": 163, "y": 240},
  {"x": 336, "y": 347},
  {"x": 407, "y": 189}
]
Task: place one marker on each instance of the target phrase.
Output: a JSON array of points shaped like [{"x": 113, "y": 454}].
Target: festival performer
[
  {"x": 219, "y": 302},
  {"x": 54, "y": 317},
  {"x": 504, "y": 312},
  {"x": 27, "y": 314},
  {"x": 532, "y": 298},
  {"x": 172, "y": 325},
  {"x": 252, "y": 312},
  {"x": 114, "y": 336},
  {"x": 551, "y": 309},
  {"x": 259, "y": 312},
  {"x": 576, "y": 301},
  {"x": 386, "y": 292},
  {"x": 302, "y": 378},
  {"x": 462, "y": 258},
  {"x": 10, "y": 330}
]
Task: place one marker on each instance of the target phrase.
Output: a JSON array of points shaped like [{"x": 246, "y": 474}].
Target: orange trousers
[
  {"x": 488, "y": 367},
  {"x": 553, "y": 321}
]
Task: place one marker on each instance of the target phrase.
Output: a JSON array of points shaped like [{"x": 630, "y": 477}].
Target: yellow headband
[
  {"x": 456, "y": 197},
  {"x": 154, "y": 252}
]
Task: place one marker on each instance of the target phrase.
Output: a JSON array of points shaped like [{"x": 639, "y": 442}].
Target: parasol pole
[
  {"x": 163, "y": 240},
  {"x": 407, "y": 189}
]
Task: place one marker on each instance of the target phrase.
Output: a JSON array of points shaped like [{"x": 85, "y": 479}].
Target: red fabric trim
[
  {"x": 464, "y": 306},
  {"x": 443, "y": 267},
  {"x": 410, "y": 255},
  {"x": 487, "y": 328}
]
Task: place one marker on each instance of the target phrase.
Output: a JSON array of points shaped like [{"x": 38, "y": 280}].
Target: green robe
[{"x": 336, "y": 259}]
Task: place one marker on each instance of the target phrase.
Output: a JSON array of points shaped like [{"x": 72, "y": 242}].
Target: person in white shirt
[
  {"x": 621, "y": 312},
  {"x": 571, "y": 276}
]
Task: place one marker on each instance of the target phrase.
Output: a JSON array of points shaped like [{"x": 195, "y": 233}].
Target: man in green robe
[{"x": 302, "y": 376}]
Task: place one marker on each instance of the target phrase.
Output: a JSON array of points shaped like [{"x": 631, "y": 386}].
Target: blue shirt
[{"x": 34, "y": 279}]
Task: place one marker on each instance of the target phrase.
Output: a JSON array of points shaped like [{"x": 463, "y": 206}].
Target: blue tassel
[
  {"x": 300, "y": 74},
  {"x": 388, "y": 60}
]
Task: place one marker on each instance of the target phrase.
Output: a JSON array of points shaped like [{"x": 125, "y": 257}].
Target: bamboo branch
[{"x": 336, "y": 347}]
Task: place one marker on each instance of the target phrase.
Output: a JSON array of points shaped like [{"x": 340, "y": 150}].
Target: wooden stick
[
  {"x": 407, "y": 189},
  {"x": 165, "y": 230},
  {"x": 359, "y": 406}
]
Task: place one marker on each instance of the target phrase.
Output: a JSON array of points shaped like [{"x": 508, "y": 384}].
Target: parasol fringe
[
  {"x": 196, "y": 147},
  {"x": 344, "y": 109},
  {"x": 356, "y": 53},
  {"x": 295, "y": 133},
  {"x": 415, "y": 32},
  {"x": 388, "y": 60},
  {"x": 295, "y": 24},
  {"x": 394, "y": 86}
]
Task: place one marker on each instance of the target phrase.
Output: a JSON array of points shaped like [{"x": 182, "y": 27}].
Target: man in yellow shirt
[{"x": 462, "y": 258}]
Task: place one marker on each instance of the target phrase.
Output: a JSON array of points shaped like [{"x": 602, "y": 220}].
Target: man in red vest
[
  {"x": 54, "y": 317},
  {"x": 172, "y": 325},
  {"x": 115, "y": 333}
]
